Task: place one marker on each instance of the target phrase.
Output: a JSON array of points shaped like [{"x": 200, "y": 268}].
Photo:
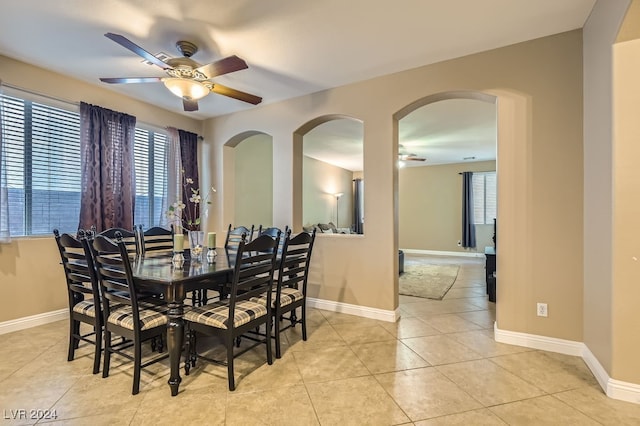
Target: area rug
[{"x": 428, "y": 281}]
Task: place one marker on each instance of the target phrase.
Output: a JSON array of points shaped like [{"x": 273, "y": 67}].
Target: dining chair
[
  {"x": 125, "y": 314},
  {"x": 234, "y": 236},
  {"x": 231, "y": 318},
  {"x": 274, "y": 232},
  {"x": 84, "y": 295},
  {"x": 155, "y": 240},
  {"x": 128, "y": 237},
  {"x": 291, "y": 287}
]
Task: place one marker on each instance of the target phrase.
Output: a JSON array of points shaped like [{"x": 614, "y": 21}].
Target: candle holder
[
  {"x": 211, "y": 255},
  {"x": 178, "y": 259}
]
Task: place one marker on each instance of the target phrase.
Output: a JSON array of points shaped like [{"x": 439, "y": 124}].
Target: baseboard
[
  {"x": 551, "y": 344},
  {"x": 361, "y": 311},
  {"x": 614, "y": 389},
  {"x": 444, "y": 253},
  {"x": 33, "y": 321}
]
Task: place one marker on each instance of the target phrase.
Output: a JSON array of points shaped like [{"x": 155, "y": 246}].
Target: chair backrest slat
[
  {"x": 234, "y": 236},
  {"x": 294, "y": 264},
  {"x": 128, "y": 238},
  {"x": 114, "y": 271},
  {"x": 254, "y": 270},
  {"x": 77, "y": 268},
  {"x": 156, "y": 240}
]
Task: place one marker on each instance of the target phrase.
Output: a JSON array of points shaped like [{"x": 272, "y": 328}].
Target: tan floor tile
[
  {"x": 463, "y": 292},
  {"x": 281, "y": 406},
  {"x": 383, "y": 357},
  {"x": 94, "y": 396},
  {"x": 424, "y": 393},
  {"x": 549, "y": 372},
  {"x": 440, "y": 349},
  {"x": 115, "y": 417},
  {"x": 594, "y": 403},
  {"x": 334, "y": 318},
  {"x": 489, "y": 383},
  {"x": 409, "y": 327},
  {"x": 440, "y": 307},
  {"x": 158, "y": 406},
  {"x": 545, "y": 410},
  {"x": 329, "y": 364},
  {"x": 283, "y": 372},
  {"x": 484, "y": 318},
  {"x": 355, "y": 401},
  {"x": 482, "y": 342},
  {"x": 482, "y": 417},
  {"x": 354, "y": 334},
  {"x": 450, "y": 323},
  {"x": 320, "y": 336},
  {"x": 32, "y": 393}
]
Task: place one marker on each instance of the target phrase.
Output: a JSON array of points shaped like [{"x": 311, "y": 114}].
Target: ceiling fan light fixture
[{"x": 186, "y": 89}]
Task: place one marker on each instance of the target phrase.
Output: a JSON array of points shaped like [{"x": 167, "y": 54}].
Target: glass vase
[{"x": 196, "y": 245}]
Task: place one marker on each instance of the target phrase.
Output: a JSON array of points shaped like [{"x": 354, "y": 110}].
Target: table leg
[{"x": 175, "y": 335}]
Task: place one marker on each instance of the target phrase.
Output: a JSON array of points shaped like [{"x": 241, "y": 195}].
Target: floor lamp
[{"x": 338, "y": 195}]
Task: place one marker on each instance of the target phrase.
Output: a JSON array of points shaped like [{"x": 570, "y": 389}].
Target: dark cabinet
[{"x": 490, "y": 271}]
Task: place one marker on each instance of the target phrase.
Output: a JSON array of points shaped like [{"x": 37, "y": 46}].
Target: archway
[
  {"x": 248, "y": 190},
  {"x": 328, "y": 167}
]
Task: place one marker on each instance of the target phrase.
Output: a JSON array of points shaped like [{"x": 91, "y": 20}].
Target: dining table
[{"x": 174, "y": 279}]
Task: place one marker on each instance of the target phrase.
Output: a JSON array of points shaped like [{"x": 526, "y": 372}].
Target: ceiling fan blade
[
  {"x": 236, "y": 94},
  {"x": 223, "y": 66},
  {"x": 128, "y": 44},
  {"x": 131, "y": 80},
  {"x": 189, "y": 104},
  {"x": 413, "y": 158}
]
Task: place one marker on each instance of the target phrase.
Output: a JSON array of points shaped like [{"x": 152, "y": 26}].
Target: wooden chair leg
[
  {"x": 137, "y": 362},
  {"x": 268, "y": 333},
  {"x": 304, "y": 322},
  {"x": 107, "y": 354},
  {"x": 72, "y": 340},
  {"x": 98, "y": 350},
  {"x": 232, "y": 384},
  {"x": 276, "y": 327}
]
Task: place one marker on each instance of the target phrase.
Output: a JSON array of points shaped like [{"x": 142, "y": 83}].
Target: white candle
[
  {"x": 178, "y": 242},
  {"x": 212, "y": 239}
]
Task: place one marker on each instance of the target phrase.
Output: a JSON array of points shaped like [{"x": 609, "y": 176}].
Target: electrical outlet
[{"x": 542, "y": 309}]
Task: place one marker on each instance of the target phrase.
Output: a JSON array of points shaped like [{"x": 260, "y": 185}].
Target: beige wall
[
  {"x": 30, "y": 274},
  {"x": 320, "y": 181},
  {"x": 625, "y": 290},
  {"x": 538, "y": 86},
  {"x": 254, "y": 181},
  {"x": 599, "y": 35},
  {"x": 430, "y": 207}
]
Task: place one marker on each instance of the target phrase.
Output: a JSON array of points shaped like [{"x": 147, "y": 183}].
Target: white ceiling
[{"x": 293, "y": 47}]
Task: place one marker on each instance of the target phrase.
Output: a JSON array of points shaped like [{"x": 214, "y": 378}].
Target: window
[
  {"x": 151, "y": 177},
  {"x": 42, "y": 138},
  {"x": 484, "y": 197}
]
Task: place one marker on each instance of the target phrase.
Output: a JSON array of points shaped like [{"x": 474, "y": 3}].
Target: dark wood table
[{"x": 160, "y": 275}]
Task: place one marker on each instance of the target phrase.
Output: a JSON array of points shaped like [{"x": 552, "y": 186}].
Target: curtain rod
[
  {"x": 31, "y": 92},
  {"x": 53, "y": 98}
]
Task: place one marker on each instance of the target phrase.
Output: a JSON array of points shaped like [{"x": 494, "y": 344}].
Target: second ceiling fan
[{"x": 186, "y": 78}]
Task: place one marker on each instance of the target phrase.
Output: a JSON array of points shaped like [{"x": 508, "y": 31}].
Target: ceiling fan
[
  {"x": 404, "y": 155},
  {"x": 186, "y": 78}
]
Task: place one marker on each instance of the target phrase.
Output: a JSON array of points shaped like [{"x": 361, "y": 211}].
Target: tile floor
[{"x": 438, "y": 365}]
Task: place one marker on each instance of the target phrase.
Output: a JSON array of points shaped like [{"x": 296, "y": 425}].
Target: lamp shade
[{"x": 185, "y": 88}]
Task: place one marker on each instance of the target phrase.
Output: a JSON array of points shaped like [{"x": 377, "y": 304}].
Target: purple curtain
[
  {"x": 108, "y": 173},
  {"x": 468, "y": 226},
  {"x": 189, "y": 159}
]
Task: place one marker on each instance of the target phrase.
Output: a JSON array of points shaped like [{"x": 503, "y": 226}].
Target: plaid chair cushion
[
  {"x": 287, "y": 297},
  {"x": 149, "y": 317},
  {"x": 85, "y": 307},
  {"x": 216, "y": 314}
]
